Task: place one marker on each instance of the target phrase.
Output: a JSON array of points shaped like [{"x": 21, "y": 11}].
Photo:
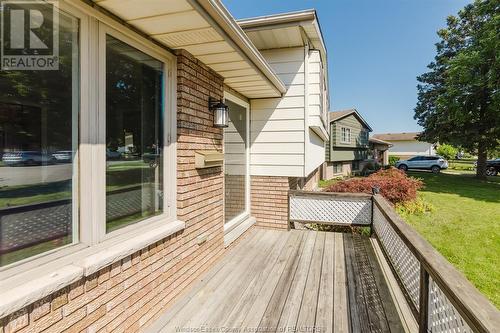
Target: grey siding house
[{"x": 348, "y": 145}]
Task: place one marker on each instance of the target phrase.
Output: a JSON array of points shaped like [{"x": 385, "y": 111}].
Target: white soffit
[
  {"x": 194, "y": 26},
  {"x": 285, "y": 30}
]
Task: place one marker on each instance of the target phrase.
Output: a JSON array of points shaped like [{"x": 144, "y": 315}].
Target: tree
[
  {"x": 447, "y": 151},
  {"x": 459, "y": 98}
]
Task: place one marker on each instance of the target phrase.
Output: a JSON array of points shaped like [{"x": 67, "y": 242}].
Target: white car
[{"x": 434, "y": 163}]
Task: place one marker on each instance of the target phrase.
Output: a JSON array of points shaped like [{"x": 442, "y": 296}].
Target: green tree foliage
[
  {"x": 393, "y": 160},
  {"x": 459, "y": 98},
  {"x": 447, "y": 151}
]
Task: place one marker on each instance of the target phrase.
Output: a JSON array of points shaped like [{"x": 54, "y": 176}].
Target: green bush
[
  {"x": 447, "y": 151},
  {"x": 415, "y": 207},
  {"x": 393, "y": 160}
]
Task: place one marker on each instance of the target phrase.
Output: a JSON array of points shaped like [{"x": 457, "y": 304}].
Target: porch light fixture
[{"x": 221, "y": 112}]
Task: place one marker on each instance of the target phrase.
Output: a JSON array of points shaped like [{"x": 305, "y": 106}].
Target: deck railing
[{"x": 441, "y": 298}]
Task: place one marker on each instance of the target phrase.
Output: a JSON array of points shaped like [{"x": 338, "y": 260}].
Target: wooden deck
[{"x": 278, "y": 281}]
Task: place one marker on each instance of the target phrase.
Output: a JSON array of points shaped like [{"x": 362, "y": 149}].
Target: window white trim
[
  {"x": 345, "y": 135},
  {"x": 91, "y": 151},
  {"x": 100, "y": 165}
]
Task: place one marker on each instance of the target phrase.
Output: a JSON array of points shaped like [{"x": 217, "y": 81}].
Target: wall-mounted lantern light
[{"x": 221, "y": 112}]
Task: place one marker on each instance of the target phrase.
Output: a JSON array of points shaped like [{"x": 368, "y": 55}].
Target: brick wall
[
  {"x": 133, "y": 292},
  {"x": 269, "y": 200},
  {"x": 269, "y": 197}
]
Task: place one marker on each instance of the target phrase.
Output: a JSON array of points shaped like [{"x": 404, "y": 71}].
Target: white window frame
[
  {"x": 236, "y": 221},
  {"x": 91, "y": 152},
  {"x": 166, "y": 215},
  {"x": 345, "y": 135}
]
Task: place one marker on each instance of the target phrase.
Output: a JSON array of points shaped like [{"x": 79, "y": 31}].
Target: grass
[
  {"x": 461, "y": 165},
  {"x": 464, "y": 226},
  {"x": 329, "y": 182},
  {"x": 118, "y": 177}
]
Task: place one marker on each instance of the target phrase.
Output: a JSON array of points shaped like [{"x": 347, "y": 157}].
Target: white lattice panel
[
  {"x": 443, "y": 317},
  {"x": 330, "y": 209},
  {"x": 402, "y": 259}
]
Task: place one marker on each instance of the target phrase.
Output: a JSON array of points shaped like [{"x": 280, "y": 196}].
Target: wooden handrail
[{"x": 479, "y": 313}]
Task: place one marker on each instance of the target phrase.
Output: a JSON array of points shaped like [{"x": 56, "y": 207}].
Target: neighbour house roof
[
  {"x": 380, "y": 142},
  {"x": 410, "y": 136},
  {"x": 208, "y": 31},
  {"x": 337, "y": 115}
]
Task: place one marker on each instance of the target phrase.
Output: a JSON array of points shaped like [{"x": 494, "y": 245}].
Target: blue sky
[{"x": 376, "y": 49}]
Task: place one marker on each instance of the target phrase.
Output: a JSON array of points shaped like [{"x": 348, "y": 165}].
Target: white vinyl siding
[
  {"x": 282, "y": 144},
  {"x": 316, "y": 152},
  {"x": 277, "y": 124},
  {"x": 411, "y": 148},
  {"x": 315, "y": 85}
]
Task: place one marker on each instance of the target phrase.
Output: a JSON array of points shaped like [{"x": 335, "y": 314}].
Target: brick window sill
[{"x": 13, "y": 299}]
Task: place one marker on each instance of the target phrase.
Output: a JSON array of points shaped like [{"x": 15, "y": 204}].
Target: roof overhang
[
  {"x": 205, "y": 29},
  {"x": 305, "y": 19},
  {"x": 287, "y": 30}
]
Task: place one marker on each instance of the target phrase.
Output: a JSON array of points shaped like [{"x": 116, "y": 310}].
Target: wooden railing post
[{"x": 423, "y": 308}]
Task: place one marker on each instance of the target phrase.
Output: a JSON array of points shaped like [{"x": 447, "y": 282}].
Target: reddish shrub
[{"x": 394, "y": 185}]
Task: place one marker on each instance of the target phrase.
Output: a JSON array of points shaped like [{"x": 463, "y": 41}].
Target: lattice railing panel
[
  {"x": 443, "y": 317},
  {"x": 330, "y": 209},
  {"x": 402, "y": 259}
]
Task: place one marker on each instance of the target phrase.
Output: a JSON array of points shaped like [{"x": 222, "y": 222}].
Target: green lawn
[{"x": 464, "y": 226}]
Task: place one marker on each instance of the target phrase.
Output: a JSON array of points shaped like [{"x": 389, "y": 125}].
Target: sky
[{"x": 376, "y": 49}]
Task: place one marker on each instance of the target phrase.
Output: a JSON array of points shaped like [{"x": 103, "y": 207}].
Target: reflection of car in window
[
  {"x": 27, "y": 158},
  {"x": 63, "y": 156},
  {"x": 113, "y": 155}
]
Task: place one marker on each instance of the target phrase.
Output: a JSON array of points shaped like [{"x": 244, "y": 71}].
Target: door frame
[{"x": 235, "y": 222}]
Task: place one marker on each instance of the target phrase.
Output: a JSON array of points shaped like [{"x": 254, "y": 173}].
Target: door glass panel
[
  {"x": 235, "y": 170},
  {"x": 134, "y": 144},
  {"x": 38, "y": 147}
]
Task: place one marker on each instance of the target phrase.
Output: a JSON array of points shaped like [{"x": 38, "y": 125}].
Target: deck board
[{"x": 280, "y": 281}]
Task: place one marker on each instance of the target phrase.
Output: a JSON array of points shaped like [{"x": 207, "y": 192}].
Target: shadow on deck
[{"x": 297, "y": 281}]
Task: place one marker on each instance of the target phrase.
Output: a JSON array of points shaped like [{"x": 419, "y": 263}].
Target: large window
[
  {"x": 134, "y": 135},
  {"x": 39, "y": 112},
  {"x": 84, "y": 148}
]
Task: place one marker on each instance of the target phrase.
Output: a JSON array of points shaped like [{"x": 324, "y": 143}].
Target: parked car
[
  {"x": 27, "y": 158},
  {"x": 493, "y": 167},
  {"x": 63, "y": 156},
  {"x": 434, "y": 163}
]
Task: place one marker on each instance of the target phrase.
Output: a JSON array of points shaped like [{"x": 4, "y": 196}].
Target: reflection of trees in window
[
  {"x": 134, "y": 84},
  {"x": 42, "y": 97},
  {"x": 133, "y": 98}
]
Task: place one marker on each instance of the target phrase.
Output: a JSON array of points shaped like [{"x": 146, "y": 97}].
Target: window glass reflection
[
  {"x": 134, "y": 135},
  {"x": 235, "y": 141},
  {"x": 38, "y": 145}
]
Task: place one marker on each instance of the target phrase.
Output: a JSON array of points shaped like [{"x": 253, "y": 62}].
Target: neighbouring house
[
  {"x": 406, "y": 145},
  {"x": 130, "y": 185},
  {"x": 379, "y": 151},
  {"x": 348, "y": 145}
]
